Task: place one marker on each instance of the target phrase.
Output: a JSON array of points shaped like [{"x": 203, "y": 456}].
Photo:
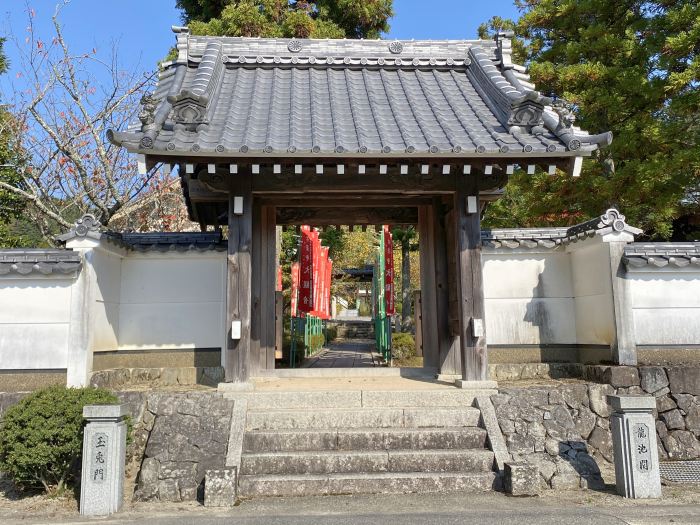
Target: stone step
[
  {"x": 375, "y": 483},
  {"x": 447, "y": 397},
  {"x": 330, "y": 418},
  {"x": 285, "y": 463},
  {"x": 364, "y": 439}
]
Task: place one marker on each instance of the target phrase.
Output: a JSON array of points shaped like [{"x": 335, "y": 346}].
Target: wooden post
[
  {"x": 418, "y": 322},
  {"x": 237, "y": 362},
  {"x": 428, "y": 289},
  {"x": 448, "y": 343},
  {"x": 467, "y": 239}
]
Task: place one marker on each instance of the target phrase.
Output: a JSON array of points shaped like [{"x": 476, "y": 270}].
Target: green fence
[{"x": 313, "y": 329}]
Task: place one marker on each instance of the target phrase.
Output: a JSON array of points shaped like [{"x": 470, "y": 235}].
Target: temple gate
[{"x": 270, "y": 132}]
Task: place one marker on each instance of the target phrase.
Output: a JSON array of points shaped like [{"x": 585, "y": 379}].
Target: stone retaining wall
[
  {"x": 183, "y": 435},
  {"x": 119, "y": 378},
  {"x": 565, "y": 429}
]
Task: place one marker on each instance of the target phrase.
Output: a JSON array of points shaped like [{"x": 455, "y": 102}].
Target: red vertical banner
[
  {"x": 322, "y": 281},
  {"x": 327, "y": 293},
  {"x": 388, "y": 271},
  {"x": 306, "y": 270},
  {"x": 295, "y": 288}
]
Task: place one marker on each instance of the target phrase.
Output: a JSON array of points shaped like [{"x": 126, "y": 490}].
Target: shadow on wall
[
  {"x": 537, "y": 315},
  {"x": 576, "y": 454}
]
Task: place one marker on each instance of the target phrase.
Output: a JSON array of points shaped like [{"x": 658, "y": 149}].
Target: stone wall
[
  {"x": 183, "y": 435},
  {"x": 565, "y": 430}
]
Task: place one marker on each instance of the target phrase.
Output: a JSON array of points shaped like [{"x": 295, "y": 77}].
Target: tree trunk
[{"x": 405, "y": 285}]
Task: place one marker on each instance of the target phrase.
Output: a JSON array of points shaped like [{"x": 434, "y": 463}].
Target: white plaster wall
[
  {"x": 666, "y": 306},
  {"x": 172, "y": 301},
  {"x": 528, "y": 297},
  {"x": 592, "y": 288},
  {"x": 107, "y": 293},
  {"x": 34, "y": 322}
]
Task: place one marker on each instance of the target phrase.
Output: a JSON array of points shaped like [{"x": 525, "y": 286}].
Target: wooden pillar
[
  {"x": 429, "y": 321},
  {"x": 237, "y": 360},
  {"x": 448, "y": 342},
  {"x": 470, "y": 289},
  {"x": 418, "y": 322}
]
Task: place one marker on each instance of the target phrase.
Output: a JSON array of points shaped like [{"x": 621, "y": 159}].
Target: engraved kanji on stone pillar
[
  {"x": 104, "y": 458},
  {"x": 634, "y": 445}
]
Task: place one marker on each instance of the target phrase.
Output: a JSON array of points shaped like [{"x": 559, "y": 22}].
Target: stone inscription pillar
[
  {"x": 104, "y": 457},
  {"x": 634, "y": 446}
]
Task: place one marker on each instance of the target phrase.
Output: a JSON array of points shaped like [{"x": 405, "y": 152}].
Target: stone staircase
[
  {"x": 354, "y": 329},
  {"x": 354, "y": 442}
]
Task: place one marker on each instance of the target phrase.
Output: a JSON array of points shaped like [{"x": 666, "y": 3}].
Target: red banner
[
  {"x": 388, "y": 271},
  {"x": 295, "y": 288},
  {"x": 306, "y": 270},
  {"x": 322, "y": 282}
]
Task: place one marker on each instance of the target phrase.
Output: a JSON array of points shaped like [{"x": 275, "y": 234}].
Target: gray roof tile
[
  {"x": 39, "y": 261},
  {"x": 233, "y": 97},
  {"x": 662, "y": 254}
]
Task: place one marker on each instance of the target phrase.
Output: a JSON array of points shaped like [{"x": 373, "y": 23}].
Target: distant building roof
[{"x": 258, "y": 97}]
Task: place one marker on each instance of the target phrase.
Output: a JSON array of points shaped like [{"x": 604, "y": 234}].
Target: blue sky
[{"x": 141, "y": 28}]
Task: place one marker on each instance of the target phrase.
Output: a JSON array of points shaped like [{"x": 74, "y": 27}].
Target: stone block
[
  {"x": 562, "y": 417},
  {"x": 519, "y": 444},
  {"x": 220, "y": 488},
  {"x": 684, "y": 401},
  {"x": 673, "y": 420},
  {"x": 652, "y": 378},
  {"x": 168, "y": 490},
  {"x": 692, "y": 418},
  {"x": 575, "y": 395},
  {"x": 665, "y": 403},
  {"x": 597, "y": 395},
  {"x": 661, "y": 429},
  {"x": 566, "y": 477},
  {"x": 521, "y": 479},
  {"x": 684, "y": 380},
  {"x": 601, "y": 440},
  {"x": 622, "y": 376},
  {"x": 585, "y": 422},
  {"x": 682, "y": 445}
]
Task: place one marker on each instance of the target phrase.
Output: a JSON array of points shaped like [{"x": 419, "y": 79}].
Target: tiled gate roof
[{"x": 233, "y": 97}]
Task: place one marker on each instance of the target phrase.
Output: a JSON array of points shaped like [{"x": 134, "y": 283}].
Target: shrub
[
  {"x": 331, "y": 333},
  {"x": 41, "y": 437},
  {"x": 403, "y": 345}
]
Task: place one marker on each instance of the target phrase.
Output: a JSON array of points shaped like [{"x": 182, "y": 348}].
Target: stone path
[{"x": 353, "y": 353}]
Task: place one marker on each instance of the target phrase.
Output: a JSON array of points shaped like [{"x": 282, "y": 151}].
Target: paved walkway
[{"x": 349, "y": 353}]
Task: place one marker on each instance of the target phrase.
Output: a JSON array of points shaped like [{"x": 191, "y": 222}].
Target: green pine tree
[
  {"x": 285, "y": 18},
  {"x": 632, "y": 68}
]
